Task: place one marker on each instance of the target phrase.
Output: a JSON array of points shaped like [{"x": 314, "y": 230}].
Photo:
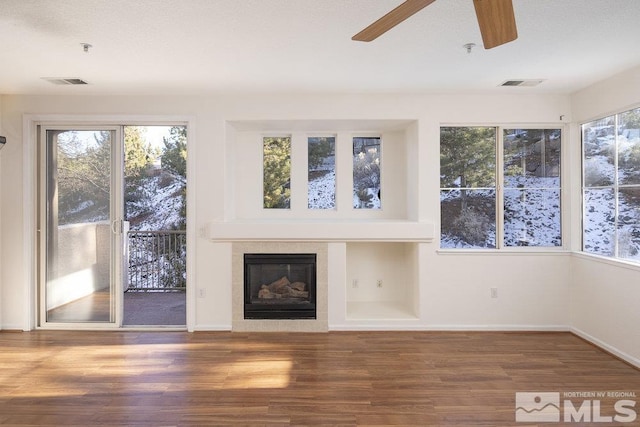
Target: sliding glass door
[{"x": 80, "y": 225}]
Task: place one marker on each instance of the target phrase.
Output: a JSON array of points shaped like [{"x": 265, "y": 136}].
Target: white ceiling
[{"x": 305, "y": 46}]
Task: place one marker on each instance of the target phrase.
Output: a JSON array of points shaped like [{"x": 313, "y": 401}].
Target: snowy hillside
[{"x": 156, "y": 203}]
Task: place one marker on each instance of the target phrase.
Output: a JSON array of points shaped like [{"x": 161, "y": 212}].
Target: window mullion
[
  {"x": 616, "y": 213},
  {"x": 499, "y": 189}
]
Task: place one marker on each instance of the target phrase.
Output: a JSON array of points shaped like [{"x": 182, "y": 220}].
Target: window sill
[
  {"x": 321, "y": 231},
  {"x": 507, "y": 252},
  {"x": 616, "y": 262}
]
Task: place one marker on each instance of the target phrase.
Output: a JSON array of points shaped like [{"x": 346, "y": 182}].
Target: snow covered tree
[
  {"x": 366, "y": 172},
  {"x": 630, "y": 119}
]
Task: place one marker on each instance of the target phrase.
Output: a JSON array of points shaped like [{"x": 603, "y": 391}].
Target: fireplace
[{"x": 279, "y": 286}]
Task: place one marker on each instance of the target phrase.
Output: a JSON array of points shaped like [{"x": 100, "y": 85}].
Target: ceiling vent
[
  {"x": 65, "y": 81},
  {"x": 526, "y": 83}
]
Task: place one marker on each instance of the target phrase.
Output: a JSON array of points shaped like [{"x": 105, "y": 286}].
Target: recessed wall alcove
[
  {"x": 373, "y": 266},
  {"x": 382, "y": 281}
]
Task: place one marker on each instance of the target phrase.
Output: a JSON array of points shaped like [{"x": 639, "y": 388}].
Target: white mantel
[{"x": 321, "y": 231}]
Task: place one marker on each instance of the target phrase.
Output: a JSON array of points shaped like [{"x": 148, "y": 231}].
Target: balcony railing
[{"x": 156, "y": 260}]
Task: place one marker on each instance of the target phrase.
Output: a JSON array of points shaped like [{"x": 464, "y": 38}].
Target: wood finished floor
[{"x": 280, "y": 379}]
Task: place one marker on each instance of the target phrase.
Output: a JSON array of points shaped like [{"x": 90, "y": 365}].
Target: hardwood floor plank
[{"x": 135, "y": 378}]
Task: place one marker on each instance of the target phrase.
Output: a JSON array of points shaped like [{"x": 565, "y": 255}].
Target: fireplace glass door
[{"x": 280, "y": 286}]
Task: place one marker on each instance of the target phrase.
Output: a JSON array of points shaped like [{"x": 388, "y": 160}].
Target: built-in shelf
[
  {"x": 322, "y": 231},
  {"x": 379, "y": 310},
  {"x": 382, "y": 281}
]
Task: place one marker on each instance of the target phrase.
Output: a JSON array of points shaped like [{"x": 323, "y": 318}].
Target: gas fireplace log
[
  {"x": 299, "y": 286},
  {"x": 279, "y": 285},
  {"x": 283, "y": 288}
]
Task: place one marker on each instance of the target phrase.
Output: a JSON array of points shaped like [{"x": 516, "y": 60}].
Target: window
[
  {"x": 321, "y": 190},
  {"x": 276, "y": 167},
  {"x": 611, "y": 186},
  {"x": 531, "y": 187},
  {"x": 366, "y": 172},
  {"x": 468, "y": 187},
  {"x": 488, "y": 200}
]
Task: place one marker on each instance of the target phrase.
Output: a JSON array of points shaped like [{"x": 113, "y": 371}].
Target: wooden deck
[
  {"x": 140, "y": 309},
  {"x": 281, "y": 379}
]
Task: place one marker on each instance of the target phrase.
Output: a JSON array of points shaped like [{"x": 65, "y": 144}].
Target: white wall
[
  {"x": 615, "y": 94},
  {"x": 453, "y": 289},
  {"x": 605, "y": 294},
  {"x": 604, "y": 305},
  {"x": 1, "y": 287}
]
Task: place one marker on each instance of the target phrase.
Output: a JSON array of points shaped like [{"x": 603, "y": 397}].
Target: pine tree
[
  {"x": 467, "y": 158},
  {"x": 276, "y": 172}
]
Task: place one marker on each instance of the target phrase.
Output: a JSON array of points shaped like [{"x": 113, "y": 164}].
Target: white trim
[
  {"x": 29, "y": 203},
  {"x": 320, "y": 231},
  {"x": 500, "y": 328},
  {"x": 29, "y": 123},
  {"x": 212, "y": 328},
  {"x": 606, "y": 347},
  {"x": 192, "y": 232},
  {"x": 378, "y": 327},
  {"x": 506, "y": 252},
  {"x": 450, "y": 328},
  {"x": 499, "y": 181}
]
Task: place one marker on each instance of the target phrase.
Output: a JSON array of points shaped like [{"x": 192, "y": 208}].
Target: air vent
[
  {"x": 526, "y": 83},
  {"x": 65, "y": 81}
]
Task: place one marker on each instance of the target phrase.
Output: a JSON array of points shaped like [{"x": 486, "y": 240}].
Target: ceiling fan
[{"x": 495, "y": 18}]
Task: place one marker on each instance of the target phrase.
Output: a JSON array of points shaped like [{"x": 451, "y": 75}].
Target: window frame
[
  {"x": 308, "y": 136},
  {"x": 381, "y": 144},
  {"x": 264, "y": 136},
  {"x": 500, "y": 188},
  {"x": 615, "y": 186}
]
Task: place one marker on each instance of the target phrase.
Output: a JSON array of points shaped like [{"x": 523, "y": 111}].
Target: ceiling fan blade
[
  {"x": 391, "y": 19},
  {"x": 497, "y": 22}
]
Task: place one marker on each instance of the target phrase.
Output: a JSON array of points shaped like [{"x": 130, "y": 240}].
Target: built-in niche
[
  {"x": 382, "y": 281},
  {"x": 391, "y": 193}
]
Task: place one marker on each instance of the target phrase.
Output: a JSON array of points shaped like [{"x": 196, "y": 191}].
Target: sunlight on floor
[{"x": 259, "y": 373}]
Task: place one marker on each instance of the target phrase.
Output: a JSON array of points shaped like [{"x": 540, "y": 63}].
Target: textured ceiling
[{"x": 304, "y": 46}]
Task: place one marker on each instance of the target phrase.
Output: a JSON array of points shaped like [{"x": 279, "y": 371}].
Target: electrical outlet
[
  {"x": 202, "y": 292},
  {"x": 354, "y": 284},
  {"x": 494, "y": 292},
  {"x": 379, "y": 283}
]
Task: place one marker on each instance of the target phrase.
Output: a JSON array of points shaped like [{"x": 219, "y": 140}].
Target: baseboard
[
  {"x": 363, "y": 328},
  {"x": 634, "y": 361},
  {"x": 13, "y": 328},
  {"x": 212, "y": 328},
  {"x": 479, "y": 328},
  {"x": 500, "y": 328}
]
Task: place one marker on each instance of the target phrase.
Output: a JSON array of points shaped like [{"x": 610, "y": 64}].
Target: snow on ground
[
  {"x": 322, "y": 191},
  {"x": 599, "y": 221},
  {"x": 373, "y": 203},
  {"x": 532, "y": 217}
]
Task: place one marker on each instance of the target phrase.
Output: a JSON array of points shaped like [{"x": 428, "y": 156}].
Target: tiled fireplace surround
[{"x": 239, "y": 323}]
